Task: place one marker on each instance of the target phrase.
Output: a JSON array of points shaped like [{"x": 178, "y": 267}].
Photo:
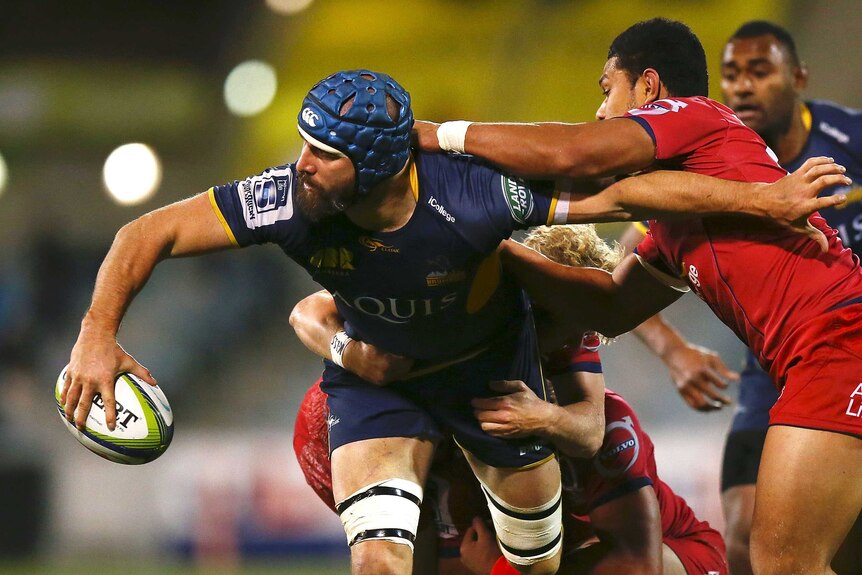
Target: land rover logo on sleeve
[{"x": 519, "y": 198}]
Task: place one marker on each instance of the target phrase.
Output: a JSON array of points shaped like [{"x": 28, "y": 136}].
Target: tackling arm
[
  {"x": 611, "y": 304},
  {"x": 620, "y": 146},
  {"x": 185, "y": 228},
  {"x": 315, "y": 320},
  {"x": 630, "y": 537}
]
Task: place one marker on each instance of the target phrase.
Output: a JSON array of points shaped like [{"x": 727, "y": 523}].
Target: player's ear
[
  {"x": 651, "y": 85},
  {"x": 800, "y": 77}
]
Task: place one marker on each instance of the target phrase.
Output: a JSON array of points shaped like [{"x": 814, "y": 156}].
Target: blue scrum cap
[{"x": 377, "y": 145}]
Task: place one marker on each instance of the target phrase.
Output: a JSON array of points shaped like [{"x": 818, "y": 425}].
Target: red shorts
[
  {"x": 701, "y": 551},
  {"x": 823, "y": 388}
]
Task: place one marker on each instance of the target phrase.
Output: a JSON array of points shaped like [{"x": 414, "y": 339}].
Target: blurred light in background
[
  {"x": 4, "y": 174},
  {"x": 288, "y": 6},
  {"x": 250, "y": 88},
  {"x": 132, "y": 174}
]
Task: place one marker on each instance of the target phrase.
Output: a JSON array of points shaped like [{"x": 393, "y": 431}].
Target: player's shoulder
[
  {"x": 835, "y": 121},
  {"x": 617, "y": 408}
]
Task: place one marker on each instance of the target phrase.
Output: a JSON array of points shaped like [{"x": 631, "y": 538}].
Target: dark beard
[{"x": 312, "y": 205}]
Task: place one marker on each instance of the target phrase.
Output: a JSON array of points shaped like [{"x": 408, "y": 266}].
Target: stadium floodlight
[
  {"x": 132, "y": 174},
  {"x": 250, "y": 88},
  {"x": 288, "y": 6}
]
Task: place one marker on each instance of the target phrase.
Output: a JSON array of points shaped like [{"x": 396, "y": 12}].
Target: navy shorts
[{"x": 438, "y": 404}]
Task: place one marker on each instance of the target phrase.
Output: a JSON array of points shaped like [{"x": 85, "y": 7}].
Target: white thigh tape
[
  {"x": 388, "y": 510},
  {"x": 529, "y": 535}
]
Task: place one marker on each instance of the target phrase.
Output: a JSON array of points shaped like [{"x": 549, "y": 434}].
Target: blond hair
[{"x": 576, "y": 245}]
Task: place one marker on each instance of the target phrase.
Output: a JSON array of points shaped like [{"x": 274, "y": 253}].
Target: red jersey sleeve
[
  {"x": 573, "y": 359},
  {"x": 626, "y": 461},
  {"x": 650, "y": 258}
]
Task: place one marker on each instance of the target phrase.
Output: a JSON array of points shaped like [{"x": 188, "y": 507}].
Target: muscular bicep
[{"x": 190, "y": 226}]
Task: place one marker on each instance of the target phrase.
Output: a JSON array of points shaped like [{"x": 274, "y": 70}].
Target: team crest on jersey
[
  {"x": 591, "y": 341},
  {"x": 620, "y": 450},
  {"x": 442, "y": 273},
  {"x": 376, "y": 245},
  {"x": 519, "y": 198}
]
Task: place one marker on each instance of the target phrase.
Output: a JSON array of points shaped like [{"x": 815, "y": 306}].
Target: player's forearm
[
  {"x": 550, "y": 150},
  {"x": 553, "y": 286},
  {"x": 577, "y": 430},
  {"x": 126, "y": 268},
  {"x": 659, "y": 336},
  {"x": 315, "y": 320},
  {"x": 672, "y": 194}
]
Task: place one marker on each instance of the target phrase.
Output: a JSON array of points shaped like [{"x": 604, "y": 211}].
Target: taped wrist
[
  {"x": 451, "y": 136},
  {"x": 337, "y": 345}
]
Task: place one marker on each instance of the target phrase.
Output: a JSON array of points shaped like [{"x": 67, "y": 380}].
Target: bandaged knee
[
  {"x": 387, "y": 511},
  {"x": 527, "y": 535}
]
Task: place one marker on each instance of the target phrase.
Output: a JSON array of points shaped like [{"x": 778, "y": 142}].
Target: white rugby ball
[{"x": 145, "y": 422}]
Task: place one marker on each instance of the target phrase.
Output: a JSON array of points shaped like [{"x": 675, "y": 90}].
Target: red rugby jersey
[{"x": 766, "y": 283}]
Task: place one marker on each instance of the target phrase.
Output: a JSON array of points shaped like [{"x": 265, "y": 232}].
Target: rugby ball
[{"x": 145, "y": 422}]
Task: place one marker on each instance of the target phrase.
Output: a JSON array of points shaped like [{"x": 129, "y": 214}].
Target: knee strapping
[
  {"x": 388, "y": 510},
  {"x": 527, "y": 536}
]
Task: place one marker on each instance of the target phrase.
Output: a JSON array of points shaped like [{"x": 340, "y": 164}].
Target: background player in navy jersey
[
  {"x": 618, "y": 515},
  {"x": 799, "y": 309},
  {"x": 406, "y": 246},
  {"x": 762, "y": 80}
]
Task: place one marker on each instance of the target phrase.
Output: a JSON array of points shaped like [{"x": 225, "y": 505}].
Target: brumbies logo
[
  {"x": 620, "y": 449},
  {"x": 376, "y": 245},
  {"x": 519, "y": 198}
]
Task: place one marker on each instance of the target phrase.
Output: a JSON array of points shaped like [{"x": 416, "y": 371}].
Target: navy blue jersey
[
  {"x": 430, "y": 290},
  {"x": 836, "y": 132}
]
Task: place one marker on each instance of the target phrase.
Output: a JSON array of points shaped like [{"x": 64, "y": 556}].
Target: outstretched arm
[
  {"x": 185, "y": 228},
  {"x": 610, "y": 304},
  {"x": 316, "y": 322},
  {"x": 618, "y": 147}
]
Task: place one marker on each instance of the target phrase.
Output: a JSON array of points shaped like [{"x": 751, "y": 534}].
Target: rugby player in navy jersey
[
  {"x": 762, "y": 80},
  {"x": 406, "y": 246},
  {"x": 797, "y": 307},
  {"x": 618, "y": 515}
]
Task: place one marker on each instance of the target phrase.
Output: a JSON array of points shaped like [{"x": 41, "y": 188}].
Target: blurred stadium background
[{"x": 212, "y": 88}]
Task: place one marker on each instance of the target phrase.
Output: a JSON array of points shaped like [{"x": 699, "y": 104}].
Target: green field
[{"x": 141, "y": 567}]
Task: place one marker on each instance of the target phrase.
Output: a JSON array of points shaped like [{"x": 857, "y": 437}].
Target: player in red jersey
[
  {"x": 618, "y": 514},
  {"x": 796, "y": 306}
]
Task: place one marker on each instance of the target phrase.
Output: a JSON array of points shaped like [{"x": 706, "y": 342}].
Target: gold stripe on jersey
[
  {"x": 220, "y": 216},
  {"x": 485, "y": 283},
  {"x": 414, "y": 179},
  {"x": 639, "y": 226},
  {"x": 806, "y": 118}
]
